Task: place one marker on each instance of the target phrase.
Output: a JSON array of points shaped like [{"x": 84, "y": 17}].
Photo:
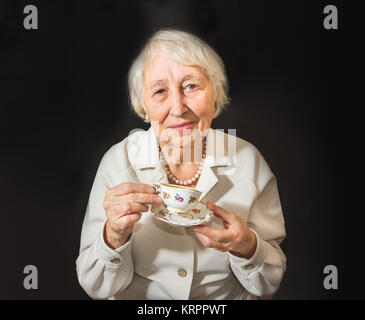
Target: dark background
[{"x": 64, "y": 102}]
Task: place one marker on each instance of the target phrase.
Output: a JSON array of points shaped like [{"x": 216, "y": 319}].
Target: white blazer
[{"x": 161, "y": 261}]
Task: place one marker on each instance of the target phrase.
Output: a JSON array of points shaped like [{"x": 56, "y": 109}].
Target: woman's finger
[
  {"x": 217, "y": 235},
  {"x": 145, "y": 198},
  {"x": 130, "y": 187},
  {"x": 221, "y": 213},
  {"x": 130, "y": 219},
  {"x": 210, "y": 243},
  {"x": 125, "y": 208}
]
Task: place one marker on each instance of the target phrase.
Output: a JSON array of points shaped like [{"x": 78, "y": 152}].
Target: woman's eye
[
  {"x": 191, "y": 86},
  {"x": 161, "y": 91}
]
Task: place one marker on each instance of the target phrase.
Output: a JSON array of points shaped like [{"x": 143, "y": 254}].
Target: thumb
[{"x": 220, "y": 212}]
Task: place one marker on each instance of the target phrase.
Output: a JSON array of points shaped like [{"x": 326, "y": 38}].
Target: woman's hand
[
  {"x": 236, "y": 237},
  {"x": 123, "y": 205}
]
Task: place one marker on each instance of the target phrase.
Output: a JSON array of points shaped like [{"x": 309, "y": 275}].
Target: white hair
[{"x": 186, "y": 49}]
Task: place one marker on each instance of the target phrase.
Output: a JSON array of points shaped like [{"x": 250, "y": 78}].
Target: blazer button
[
  {"x": 115, "y": 260},
  {"x": 249, "y": 267},
  {"x": 182, "y": 273}
]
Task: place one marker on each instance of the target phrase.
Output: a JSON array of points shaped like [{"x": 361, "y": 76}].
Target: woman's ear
[{"x": 146, "y": 118}]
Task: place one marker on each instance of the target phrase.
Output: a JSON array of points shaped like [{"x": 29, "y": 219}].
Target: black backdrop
[{"x": 64, "y": 102}]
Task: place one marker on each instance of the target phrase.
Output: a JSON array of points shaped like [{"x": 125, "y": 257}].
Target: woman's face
[{"x": 176, "y": 94}]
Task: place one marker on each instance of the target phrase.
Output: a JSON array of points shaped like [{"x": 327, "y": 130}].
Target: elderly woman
[{"x": 178, "y": 84}]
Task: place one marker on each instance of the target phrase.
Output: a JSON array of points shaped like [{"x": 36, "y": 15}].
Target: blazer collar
[{"x": 148, "y": 151}]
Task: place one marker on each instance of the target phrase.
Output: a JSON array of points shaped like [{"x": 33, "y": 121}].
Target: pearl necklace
[{"x": 189, "y": 181}]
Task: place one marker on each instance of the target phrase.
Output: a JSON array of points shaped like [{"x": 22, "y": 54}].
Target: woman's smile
[{"x": 183, "y": 126}]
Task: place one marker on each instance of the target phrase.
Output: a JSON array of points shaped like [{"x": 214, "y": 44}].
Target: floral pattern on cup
[
  {"x": 179, "y": 198},
  {"x": 192, "y": 199}
]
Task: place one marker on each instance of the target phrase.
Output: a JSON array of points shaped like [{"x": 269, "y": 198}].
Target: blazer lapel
[
  {"x": 216, "y": 155},
  {"x": 146, "y": 159},
  {"x": 159, "y": 174},
  {"x": 207, "y": 181}
]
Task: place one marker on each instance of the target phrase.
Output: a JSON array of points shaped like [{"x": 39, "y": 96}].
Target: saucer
[{"x": 195, "y": 216}]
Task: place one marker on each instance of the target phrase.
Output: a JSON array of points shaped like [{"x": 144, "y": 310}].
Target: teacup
[{"x": 178, "y": 199}]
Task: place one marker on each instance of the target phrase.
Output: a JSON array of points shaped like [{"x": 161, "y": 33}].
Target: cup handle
[{"x": 156, "y": 187}]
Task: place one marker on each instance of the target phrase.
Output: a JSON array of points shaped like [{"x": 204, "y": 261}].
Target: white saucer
[{"x": 198, "y": 215}]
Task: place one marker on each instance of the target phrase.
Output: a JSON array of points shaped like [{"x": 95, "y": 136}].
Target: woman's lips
[{"x": 183, "y": 126}]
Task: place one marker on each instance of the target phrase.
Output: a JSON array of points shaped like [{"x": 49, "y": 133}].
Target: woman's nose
[{"x": 177, "y": 103}]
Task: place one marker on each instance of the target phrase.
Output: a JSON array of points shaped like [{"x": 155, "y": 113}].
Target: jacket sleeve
[
  {"x": 102, "y": 271},
  {"x": 261, "y": 275}
]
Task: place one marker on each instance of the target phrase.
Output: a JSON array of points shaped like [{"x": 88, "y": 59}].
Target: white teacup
[{"x": 178, "y": 199}]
